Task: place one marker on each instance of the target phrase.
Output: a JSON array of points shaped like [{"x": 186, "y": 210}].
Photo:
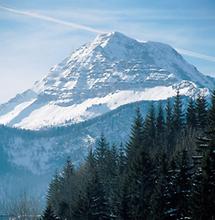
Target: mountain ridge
[{"x": 111, "y": 71}]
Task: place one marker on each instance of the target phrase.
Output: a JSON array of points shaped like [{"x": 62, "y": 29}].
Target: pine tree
[
  {"x": 207, "y": 144},
  {"x": 119, "y": 186},
  {"x": 177, "y": 118},
  {"x": 209, "y": 187},
  {"x": 139, "y": 186},
  {"x": 124, "y": 201},
  {"x": 171, "y": 208},
  {"x": 169, "y": 127},
  {"x": 212, "y": 111},
  {"x": 104, "y": 159},
  {"x": 135, "y": 141},
  {"x": 201, "y": 111},
  {"x": 83, "y": 202},
  {"x": 160, "y": 125},
  {"x": 112, "y": 161},
  {"x": 113, "y": 191},
  {"x": 197, "y": 189},
  {"x": 184, "y": 194},
  {"x": 191, "y": 114},
  {"x": 98, "y": 208},
  {"x": 101, "y": 150},
  {"x": 68, "y": 191},
  {"x": 160, "y": 197},
  {"x": 149, "y": 128},
  {"x": 168, "y": 116},
  {"x": 53, "y": 195},
  {"x": 49, "y": 214},
  {"x": 121, "y": 159}
]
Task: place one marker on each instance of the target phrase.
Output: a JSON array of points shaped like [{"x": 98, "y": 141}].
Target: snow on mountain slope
[{"x": 111, "y": 71}]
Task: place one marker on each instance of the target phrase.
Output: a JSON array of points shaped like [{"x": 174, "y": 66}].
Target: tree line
[{"x": 166, "y": 170}]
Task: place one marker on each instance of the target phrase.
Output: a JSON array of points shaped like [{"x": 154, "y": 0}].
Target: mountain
[
  {"x": 101, "y": 76},
  {"x": 96, "y": 89},
  {"x": 28, "y": 159}
]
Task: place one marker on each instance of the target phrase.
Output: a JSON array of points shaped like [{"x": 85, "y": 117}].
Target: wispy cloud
[
  {"x": 195, "y": 54},
  {"x": 52, "y": 19},
  {"x": 78, "y": 26}
]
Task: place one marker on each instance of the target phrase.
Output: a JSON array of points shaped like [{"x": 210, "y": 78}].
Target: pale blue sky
[{"x": 29, "y": 46}]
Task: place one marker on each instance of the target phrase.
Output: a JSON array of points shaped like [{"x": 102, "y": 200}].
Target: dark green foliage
[
  {"x": 201, "y": 111},
  {"x": 161, "y": 192},
  {"x": 209, "y": 187},
  {"x": 158, "y": 175},
  {"x": 49, "y": 214},
  {"x": 207, "y": 144},
  {"x": 168, "y": 116},
  {"x": 136, "y": 137},
  {"x": 170, "y": 208},
  {"x": 197, "y": 189},
  {"x": 122, "y": 160},
  {"x": 191, "y": 114},
  {"x": 139, "y": 183},
  {"x": 149, "y": 128},
  {"x": 177, "y": 117},
  {"x": 184, "y": 183},
  {"x": 212, "y": 112},
  {"x": 98, "y": 207},
  {"x": 62, "y": 192},
  {"x": 53, "y": 195},
  {"x": 160, "y": 126},
  {"x": 169, "y": 133}
]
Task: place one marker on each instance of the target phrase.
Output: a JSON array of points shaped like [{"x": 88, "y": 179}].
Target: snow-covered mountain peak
[
  {"x": 112, "y": 38},
  {"x": 100, "y": 76}
]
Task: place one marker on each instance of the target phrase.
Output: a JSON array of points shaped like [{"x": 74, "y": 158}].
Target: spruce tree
[
  {"x": 201, "y": 111},
  {"x": 98, "y": 206},
  {"x": 191, "y": 114},
  {"x": 197, "y": 189},
  {"x": 121, "y": 159},
  {"x": 161, "y": 197},
  {"x": 53, "y": 195},
  {"x": 169, "y": 134},
  {"x": 177, "y": 117},
  {"x": 105, "y": 160},
  {"x": 149, "y": 128},
  {"x": 83, "y": 203},
  {"x": 68, "y": 191},
  {"x": 168, "y": 116},
  {"x": 209, "y": 187},
  {"x": 170, "y": 192},
  {"x": 113, "y": 191},
  {"x": 140, "y": 186},
  {"x": 184, "y": 194},
  {"x": 101, "y": 150},
  {"x": 135, "y": 141},
  {"x": 49, "y": 214},
  {"x": 207, "y": 144},
  {"x": 92, "y": 201},
  {"x": 160, "y": 125},
  {"x": 212, "y": 111}
]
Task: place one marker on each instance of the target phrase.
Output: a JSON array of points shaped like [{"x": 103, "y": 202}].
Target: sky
[{"x": 35, "y": 35}]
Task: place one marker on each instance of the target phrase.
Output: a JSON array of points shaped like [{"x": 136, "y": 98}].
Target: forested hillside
[{"x": 166, "y": 170}]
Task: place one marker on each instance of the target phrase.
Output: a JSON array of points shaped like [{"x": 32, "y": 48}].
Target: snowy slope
[
  {"x": 109, "y": 72},
  {"x": 45, "y": 150},
  {"x": 28, "y": 159}
]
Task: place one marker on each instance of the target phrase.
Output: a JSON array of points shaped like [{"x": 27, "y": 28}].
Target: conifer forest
[{"x": 165, "y": 171}]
